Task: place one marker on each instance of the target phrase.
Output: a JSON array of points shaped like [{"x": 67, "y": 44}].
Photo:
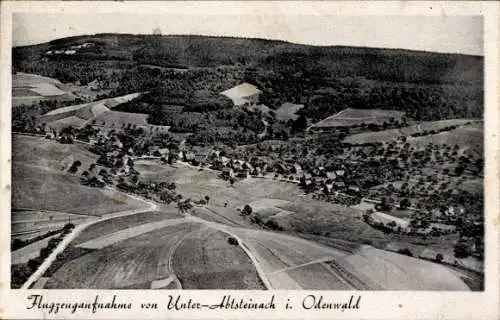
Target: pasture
[
  {"x": 288, "y": 111},
  {"x": 284, "y": 202},
  {"x": 350, "y": 117},
  {"x": 132, "y": 263},
  {"x": 98, "y": 113},
  {"x": 30, "y": 88},
  {"x": 400, "y": 272},
  {"x": 40, "y": 180},
  {"x": 31, "y": 251},
  {"x": 470, "y": 138},
  {"x": 393, "y": 134}
]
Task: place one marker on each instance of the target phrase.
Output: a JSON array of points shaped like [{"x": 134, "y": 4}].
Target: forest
[{"x": 427, "y": 86}]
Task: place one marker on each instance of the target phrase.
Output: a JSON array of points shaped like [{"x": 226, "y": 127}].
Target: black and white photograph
[
  {"x": 169, "y": 152},
  {"x": 273, "y": 148}
]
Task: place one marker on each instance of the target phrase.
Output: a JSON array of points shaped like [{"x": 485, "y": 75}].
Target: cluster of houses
[{"x": 71, "y": 50}]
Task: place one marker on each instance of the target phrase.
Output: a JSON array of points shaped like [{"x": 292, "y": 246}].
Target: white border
[{"x": 375, "y": 305}]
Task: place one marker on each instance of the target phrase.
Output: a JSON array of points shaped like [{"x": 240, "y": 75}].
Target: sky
[{"x": 438, "y": 33}]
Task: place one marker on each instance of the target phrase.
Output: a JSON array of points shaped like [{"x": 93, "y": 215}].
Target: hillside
[
  {"x": 191, "y": 71},
  {"x": 200, "y": 51}
]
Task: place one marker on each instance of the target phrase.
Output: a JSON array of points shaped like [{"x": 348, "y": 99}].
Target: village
[{"x": 400, "y": 188}]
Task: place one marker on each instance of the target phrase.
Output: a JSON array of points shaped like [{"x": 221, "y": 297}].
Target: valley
[{"x": 246, "y": 169}]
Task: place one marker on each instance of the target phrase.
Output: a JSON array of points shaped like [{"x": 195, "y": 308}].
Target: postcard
[{"x": 215, "y": 160}]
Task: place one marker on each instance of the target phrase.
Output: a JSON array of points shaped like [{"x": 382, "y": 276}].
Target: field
[
  {"x": 393, "y": 134},
  {"x": 287, "y": 111},
  {"x": 350, "y": 117},
  {"x": 180, "y": 255},
  {"x": 40, "y": 181},
  {"x": 270, "y": 197},
  {"x": 469, "y": 138},
  {"x": 29, "y": 88},
  {"x": 132, "y": 263},
  {"x": 205, "y": 260},
  {"x": 117, "y": 119},
  {"x": 98, "y": 113},
  {"x": 400, "y": 272},
  {"x": 30, "y": 251},
  {"x": 106, "y": 227}
]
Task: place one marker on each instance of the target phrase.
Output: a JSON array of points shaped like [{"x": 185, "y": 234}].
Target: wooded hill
[{"x": 327, "y": 79}]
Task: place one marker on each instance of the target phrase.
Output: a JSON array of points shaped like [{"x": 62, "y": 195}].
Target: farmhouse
[{"x": 244, "y": 94}]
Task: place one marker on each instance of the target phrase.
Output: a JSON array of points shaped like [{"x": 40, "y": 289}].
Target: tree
[
  {"x": 461, "y": 250},
  {"x": 207, "y": 198},
  {"x": 300, "y": 124},
  {"x": 232, "y": 241},
  {"x": 404, "y": 203},
  {"x": 439, "y": 257},
  {"x": 74, "y": 167},
  {"x": 247, "y": 210}
]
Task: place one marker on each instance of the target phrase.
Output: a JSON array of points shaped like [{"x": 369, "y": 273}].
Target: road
[{"x": 149, "y": 206}]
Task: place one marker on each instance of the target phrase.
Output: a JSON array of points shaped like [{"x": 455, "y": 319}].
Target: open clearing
[
  {"x": 29, "y": 89},
  {"x": 41, "y": 181},
  {"x": 393, "y": 134},
  {"x": 399, "y": 272},
  {"x": 97, "y": 113},
  {"x": 350, "y": 117},
  {"x": 469, "y": 138},
  {"x": 287, "y": 111}
]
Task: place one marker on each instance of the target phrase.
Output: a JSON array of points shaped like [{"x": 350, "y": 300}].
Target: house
[
  {"x": 238, "y": 164},
  {"x": 200, "y": 159},
  {"x": 244, "y": 94},
  {"x": 189, "y": 156},
  {"x": 224, "y": 160},
  {"x": 298, "y": 169},
  {"x": 339, "y": 184},
  {"x": 214, "y": 154},
  {"x": 164, "y": 151},
  {"x": 340, "y": 173},
  {"x": 243, "y": 174},
  {"x": 331, "y": 175},
  {"x": 354, "y": 189},
  {"x": 228, "y": 173}
]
